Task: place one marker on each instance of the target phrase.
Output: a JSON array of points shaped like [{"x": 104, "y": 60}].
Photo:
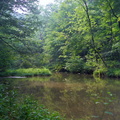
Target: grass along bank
[
  {"x": 27, "y": 72},
  {"x": 110, "y": 72}
]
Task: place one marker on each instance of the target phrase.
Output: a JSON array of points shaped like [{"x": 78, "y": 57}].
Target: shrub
[
  {"x": 100, "y": 72},
  {"x": 88, "y": 69},
  {"x": 27, "y": 72},
  {"x": 24, "y": 108},
  {"x": 109, "y": 72},
  {"x": 113, "y": 72},
  {"x": 113, "y": 64},
  {"x": 75, "y": 64}
]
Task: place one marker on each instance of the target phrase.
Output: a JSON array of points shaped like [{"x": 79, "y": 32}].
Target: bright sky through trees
[
  {"x": 41, "y": 2},
  {"x": 45, "y": 2}
]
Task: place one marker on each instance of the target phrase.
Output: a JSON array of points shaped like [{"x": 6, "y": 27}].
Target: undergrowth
[
  {"x": 27, "y": 72},
  {"x": 13, "y": 107},
  {"x": 108, "y": 72}
]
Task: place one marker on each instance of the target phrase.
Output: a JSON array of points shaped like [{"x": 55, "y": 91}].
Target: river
[{"x": 75, "y": 96}]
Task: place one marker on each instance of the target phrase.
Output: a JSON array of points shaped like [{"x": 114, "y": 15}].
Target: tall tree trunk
[{"x": 92, "y": 33}]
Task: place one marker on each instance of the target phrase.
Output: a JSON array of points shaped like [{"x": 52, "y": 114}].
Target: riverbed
[{"x": 74, "y": 96}]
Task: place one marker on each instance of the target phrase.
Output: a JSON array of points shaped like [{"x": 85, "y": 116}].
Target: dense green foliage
[
  {"x": 71, "y": 35},
  {"x": 29, "y": 72},
  {"x": 79, "y": 36},
  {"x": 22, "y": 108},
  {"x": 26, "y": 72},
  {"x": 16, "y": 30},
  {"x": 85, "y": 30}
]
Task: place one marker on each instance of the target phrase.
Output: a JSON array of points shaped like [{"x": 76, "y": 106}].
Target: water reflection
[{"x": 78, "y": 97}]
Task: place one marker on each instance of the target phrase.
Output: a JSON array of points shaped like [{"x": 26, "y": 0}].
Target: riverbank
[
  {"x": 111, "y": 72},
  {"x": 30, "y": 72},
  {"x": 98, "y": 72},
  {"x": 26, "y": 72}
]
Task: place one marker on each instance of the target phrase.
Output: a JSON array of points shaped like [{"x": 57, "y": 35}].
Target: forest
[
  {"x": 79, "y": 36},
  {"x": 61, "y": 45}
]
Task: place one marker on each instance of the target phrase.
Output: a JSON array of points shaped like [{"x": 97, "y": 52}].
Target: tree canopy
[{"x": 72, "y": 35}]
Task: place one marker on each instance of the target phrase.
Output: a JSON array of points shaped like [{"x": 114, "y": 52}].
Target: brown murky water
[{"x": 77, "y": 97}]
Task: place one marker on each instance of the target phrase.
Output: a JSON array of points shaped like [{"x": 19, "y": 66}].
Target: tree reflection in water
[{"x": 78, "y": 97}]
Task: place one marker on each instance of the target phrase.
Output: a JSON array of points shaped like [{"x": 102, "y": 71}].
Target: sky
[
  {"x": 42, "y": 2},
  {"x": 45, "y": 2}
]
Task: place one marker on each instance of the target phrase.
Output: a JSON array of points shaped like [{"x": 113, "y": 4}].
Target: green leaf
[
  {"x": 95, "y": 116},
  {"x": 107, "y": 112},
  {"x": 106, "y": 103},
  {"x": 97, "y": 102}
]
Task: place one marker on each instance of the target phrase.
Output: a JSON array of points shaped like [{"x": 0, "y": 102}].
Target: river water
[{"x": 74, "y": 96}]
